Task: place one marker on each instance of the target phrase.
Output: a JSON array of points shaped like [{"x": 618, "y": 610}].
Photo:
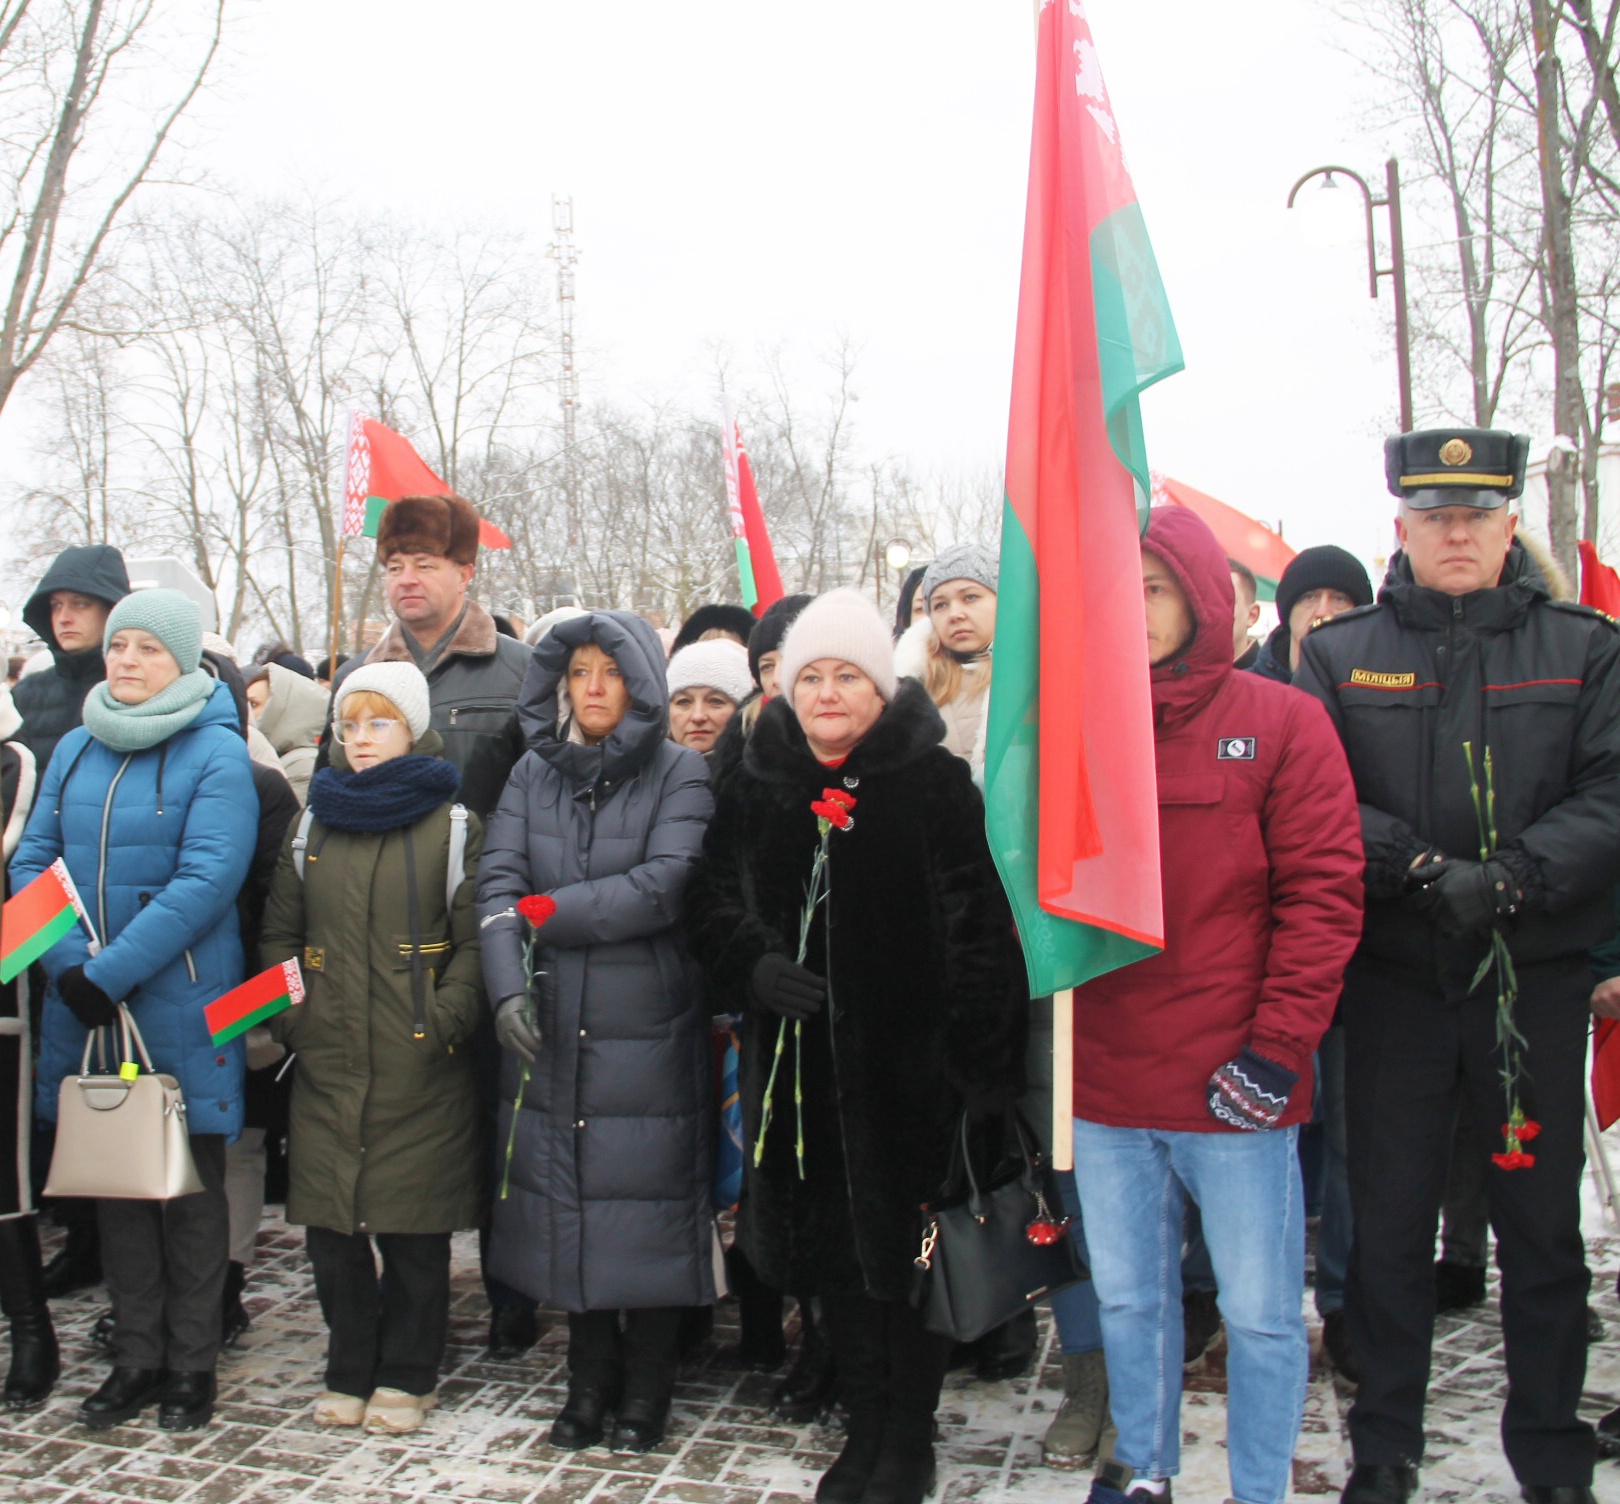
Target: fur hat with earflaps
[{"x": 446, "y": 526}]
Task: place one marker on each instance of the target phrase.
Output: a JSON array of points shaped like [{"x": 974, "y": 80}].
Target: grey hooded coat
[{"x": 607, "y": 1204}]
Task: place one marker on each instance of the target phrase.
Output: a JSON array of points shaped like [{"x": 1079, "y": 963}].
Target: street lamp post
[{"x": 1395, "y": 271}]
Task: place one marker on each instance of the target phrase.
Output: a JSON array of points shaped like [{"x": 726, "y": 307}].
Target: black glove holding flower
[{"x": 783, "y": 987}]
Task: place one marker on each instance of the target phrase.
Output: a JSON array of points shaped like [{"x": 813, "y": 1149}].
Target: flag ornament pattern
[
  {"x": 380, "y": 467},
  {"x": 258, "y": 998},
  {"x": 757, "y": 575},
  {"x": 1070, "y": 794},
  {"x": 34, "y": 919}
]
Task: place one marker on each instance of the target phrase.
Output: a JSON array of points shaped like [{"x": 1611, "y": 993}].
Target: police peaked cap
[{"x": 1456, "y": 467}]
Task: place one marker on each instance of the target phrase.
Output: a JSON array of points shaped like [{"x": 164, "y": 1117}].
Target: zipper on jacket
[
  {"x": 455, "y": 710},
  {"x": 191, "y": 966},
  {"x": 101, "y": 871}
]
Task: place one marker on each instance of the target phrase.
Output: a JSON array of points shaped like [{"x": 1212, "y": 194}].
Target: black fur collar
[{"x": 778, "y": 752}]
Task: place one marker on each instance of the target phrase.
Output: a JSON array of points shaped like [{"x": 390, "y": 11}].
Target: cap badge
[{"x": 1456, "y": 452}]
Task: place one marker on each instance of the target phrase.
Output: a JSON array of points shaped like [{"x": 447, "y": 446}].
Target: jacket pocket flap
[
  {"x": 1535, "y": 692},
  {"x": 1192, "y": 788}
]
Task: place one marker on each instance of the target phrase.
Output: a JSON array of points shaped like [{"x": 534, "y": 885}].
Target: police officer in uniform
[{"x": 1465, "y": 654}]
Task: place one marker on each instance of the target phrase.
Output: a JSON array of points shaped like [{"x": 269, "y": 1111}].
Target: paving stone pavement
[{"x": 486, "y": 1443}]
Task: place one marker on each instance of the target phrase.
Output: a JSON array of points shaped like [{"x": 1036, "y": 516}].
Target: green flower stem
[{"x": 511, "y": 1133}]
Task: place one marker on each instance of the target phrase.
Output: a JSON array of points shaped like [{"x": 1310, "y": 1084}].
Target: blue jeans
[
  {"x": 1133, "y": 1182},
  {"x": 1074, "y": 1309}
]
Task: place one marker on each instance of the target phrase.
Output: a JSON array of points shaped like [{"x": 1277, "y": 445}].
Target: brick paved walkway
[{"x": 486, "y": 1444}]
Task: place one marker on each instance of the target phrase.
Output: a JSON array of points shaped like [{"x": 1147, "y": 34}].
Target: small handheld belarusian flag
[
  {"x": 37, "y": 917},
  {"x": 757, "y": 575},
  {"x": 257, "y": 999},
  {"x": 381, "y": 466}
]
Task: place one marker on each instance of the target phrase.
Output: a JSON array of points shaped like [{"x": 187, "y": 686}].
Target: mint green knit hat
[{"x": 169, "y": 616}]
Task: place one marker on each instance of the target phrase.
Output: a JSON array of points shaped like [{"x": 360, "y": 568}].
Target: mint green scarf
[{"x": 134, "y": 728}]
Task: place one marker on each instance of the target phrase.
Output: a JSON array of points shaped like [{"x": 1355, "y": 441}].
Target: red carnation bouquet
[
  {"x": 834, "y": 810},
  {"x": 536, "y": 908}
]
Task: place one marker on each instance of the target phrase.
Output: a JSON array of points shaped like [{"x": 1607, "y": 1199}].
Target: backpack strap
[
  {"x": 454, "y": 874},
  {"x": 300, "y": 840}
]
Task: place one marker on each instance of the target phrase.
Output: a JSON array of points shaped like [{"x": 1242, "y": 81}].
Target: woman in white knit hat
[
  {"x": 907, "y": 1009},
  {"x": 707, "y": 682},
  {"x": 377, "y": 907}
]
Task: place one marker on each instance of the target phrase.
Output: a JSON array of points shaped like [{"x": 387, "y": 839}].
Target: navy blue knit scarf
[{"x": 390, "y": 796}]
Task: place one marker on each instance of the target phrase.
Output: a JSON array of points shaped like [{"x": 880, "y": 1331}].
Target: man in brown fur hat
[{"x": 428, "y": 547}]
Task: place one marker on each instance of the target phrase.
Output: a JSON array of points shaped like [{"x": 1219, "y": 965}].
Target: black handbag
[{"x": 990, "y": 1252}]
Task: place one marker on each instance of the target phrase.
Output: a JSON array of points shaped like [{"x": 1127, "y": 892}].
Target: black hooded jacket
[
  {"x": 1414, "y": 679},
  {"x": 52, "y": 702}
]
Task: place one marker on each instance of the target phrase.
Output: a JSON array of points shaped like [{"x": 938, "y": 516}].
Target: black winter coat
[
  {"x": 1411, "y": 679},
  {"x": 927, "y": 1005},
  {"x": 608, "y": 1205},
  {"x": 51, "y": 701}
]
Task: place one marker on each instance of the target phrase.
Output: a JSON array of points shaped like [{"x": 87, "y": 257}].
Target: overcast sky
[{"x": 759, "y": 174}]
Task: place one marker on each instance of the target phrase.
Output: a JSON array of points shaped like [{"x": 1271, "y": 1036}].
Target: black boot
[
  {"x": 188, "y": 1402},
  {"x": 808, "y": 1387},
  {"x": 125, "y": 1393},
  {"x": 582, "y": 1421},
  {"x": 1565, "y": 1493},
  {"x": 905, "y": 1467},
  {"x": 77, "y": 1264},
  {"x": 234, "y": 1319},
  {"x": 513, "y": 1330},
  {"x": 1379, "y": 1483},
  {"x": 760, "y": 1344},
  {"x": 650, "y": 1345},
  {"x": 595, "y": 1379},
  {"x": 1008, "y": 1351},
  {"x": 35, "y": 1361},
  {"x": 855, "y": 1341}
]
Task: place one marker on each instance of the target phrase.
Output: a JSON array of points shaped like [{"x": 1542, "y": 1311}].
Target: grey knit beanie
[
  {"x": 963, "y": 561},
  {"x": 169, "y": 616}
]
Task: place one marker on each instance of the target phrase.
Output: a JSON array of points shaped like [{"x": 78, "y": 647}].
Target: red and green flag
[
  {"x": 1069, "y": 776},
  {"x": 257, "y": 999},
  {"x": 757, "y": 573},
  {"x": 380, "y": 467},
  {"x": 34, "y": 919}
]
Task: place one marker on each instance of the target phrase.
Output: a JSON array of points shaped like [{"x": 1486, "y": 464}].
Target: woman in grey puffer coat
[{"x": 606, "y": 1202}]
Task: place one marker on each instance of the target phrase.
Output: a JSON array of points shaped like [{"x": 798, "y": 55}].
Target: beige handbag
[{"x": 122, "y": 1136}]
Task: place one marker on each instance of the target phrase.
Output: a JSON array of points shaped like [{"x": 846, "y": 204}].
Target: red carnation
[
  {"x": 833, "y": 814},
  {"x": 1528, "y": 1129},
  {"x": 840, "y": 797},
  {"x": 537, "y": 908},
  {"x": 1517, "y": 1159}
]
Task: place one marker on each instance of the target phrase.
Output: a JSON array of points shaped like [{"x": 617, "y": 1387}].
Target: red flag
[
  {"x": 757, "y": 573},
  {"x": 1240, "y": 536},
  {"x": 380, "y": 468},
  {"x": 1600, "y": 588}
]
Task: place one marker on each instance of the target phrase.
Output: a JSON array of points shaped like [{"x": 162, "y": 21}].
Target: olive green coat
[{"x": 384, "y": 1132}]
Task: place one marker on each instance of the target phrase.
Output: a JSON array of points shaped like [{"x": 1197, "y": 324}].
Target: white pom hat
[
  {"x": 841, "y": 624},
  {"x": 402, "y": 683},
  {"x": 717, "y": 664}
]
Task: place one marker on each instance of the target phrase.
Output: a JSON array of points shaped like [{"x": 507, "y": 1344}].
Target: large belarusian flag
[
  {"x": 35, "y": 918},
  {"x": 381, "y": 466},
  {"x": 757, "y": 574},
  {"x": 1069, "y": 780}
]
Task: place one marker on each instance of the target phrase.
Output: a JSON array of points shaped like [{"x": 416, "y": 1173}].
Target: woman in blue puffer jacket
[{"x": 151, "y": 804}]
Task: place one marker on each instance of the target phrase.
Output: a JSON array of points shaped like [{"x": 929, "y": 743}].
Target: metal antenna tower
[{"x": 563, "y": 251}]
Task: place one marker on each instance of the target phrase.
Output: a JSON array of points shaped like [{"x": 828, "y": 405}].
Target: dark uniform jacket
[{"x": 1413, "y": 679}]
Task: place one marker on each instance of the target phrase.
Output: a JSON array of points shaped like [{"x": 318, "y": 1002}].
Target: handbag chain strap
[{"x": 925, "y": 1255}]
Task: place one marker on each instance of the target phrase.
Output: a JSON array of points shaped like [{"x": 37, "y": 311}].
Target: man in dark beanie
[
  {"x": 718, "y": 617},
  {"x": 1319, "y": 584},
  {"x": 428, "y": 547},
  {"x": 765, "y": 641}
]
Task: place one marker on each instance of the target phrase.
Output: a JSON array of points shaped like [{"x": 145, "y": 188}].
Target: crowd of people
[{"x": 535, "y": 886}]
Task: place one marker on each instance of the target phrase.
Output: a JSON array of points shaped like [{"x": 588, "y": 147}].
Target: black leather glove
[
  {"x": 784, "y": 987},
  {"x": 86, "y": 1001},
  {"x": 1470, "y": 897},
  {"x": 515, "y": 1030}
]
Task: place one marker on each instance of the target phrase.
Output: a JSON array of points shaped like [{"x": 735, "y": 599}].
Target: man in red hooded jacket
[{"x": 1192, "y": 1069}]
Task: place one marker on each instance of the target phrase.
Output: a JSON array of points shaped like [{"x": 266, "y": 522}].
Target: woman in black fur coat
[{"x": 912, "y": 1001}]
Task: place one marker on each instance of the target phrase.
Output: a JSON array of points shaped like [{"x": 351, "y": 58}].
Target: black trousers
[
  {"x": 1409, "y": 1053},
  {"x": 890, "y": 1367},
  {"x": 164, "y": 1262},
  {"x": 637, "y": 1360},
  {"x": 386, "y": 1333}
]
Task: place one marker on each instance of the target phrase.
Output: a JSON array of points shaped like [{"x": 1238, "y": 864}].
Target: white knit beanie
[
  {"x": 402, "y": 683},
  {"x": 841, "y": 624},
  {"x": 716, "y": 664}
]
